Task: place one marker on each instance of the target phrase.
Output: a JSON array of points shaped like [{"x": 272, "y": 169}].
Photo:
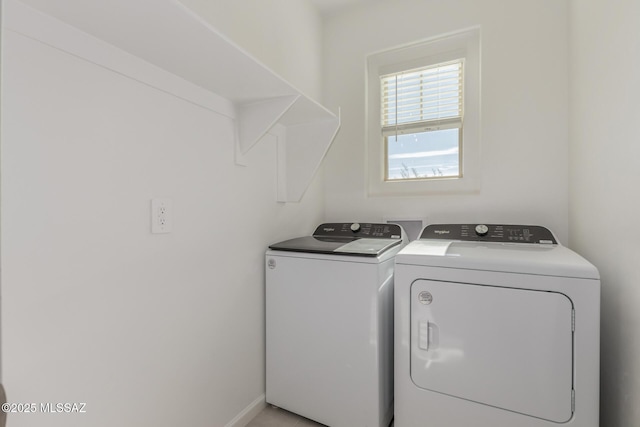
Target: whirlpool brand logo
[
  {"x": 425, "y": 297},
  {"x": 327, "y": 229},
  {"x": 441, "y": 231}
]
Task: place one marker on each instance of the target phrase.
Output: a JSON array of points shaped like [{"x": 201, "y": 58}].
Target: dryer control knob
[
  {"x": 355, "y": 227},
  {"x": 482, "y": 230}
]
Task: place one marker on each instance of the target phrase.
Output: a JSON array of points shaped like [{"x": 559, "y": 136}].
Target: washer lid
[{"x": 365, "y": 239}]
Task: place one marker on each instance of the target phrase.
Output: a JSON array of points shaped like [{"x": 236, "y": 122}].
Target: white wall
[
  {"x": 148, "y": 330},
  {"x": 604, "y": 179},
  {"x": 524, "y": 109}
]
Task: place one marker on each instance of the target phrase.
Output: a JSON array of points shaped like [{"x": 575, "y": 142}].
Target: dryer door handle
[{"x": 428, "y": 335}]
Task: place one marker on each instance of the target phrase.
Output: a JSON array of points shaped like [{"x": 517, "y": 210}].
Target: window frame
[{"x": 463, "y": 44}]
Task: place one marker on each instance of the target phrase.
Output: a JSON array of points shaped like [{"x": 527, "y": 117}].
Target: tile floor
[{"x": 276, "y": 417}]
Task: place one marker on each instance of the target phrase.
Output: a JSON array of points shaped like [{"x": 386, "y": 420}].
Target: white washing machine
[
  {"x": 495, "y": 326},
  {"x": 329, "y": 319}
]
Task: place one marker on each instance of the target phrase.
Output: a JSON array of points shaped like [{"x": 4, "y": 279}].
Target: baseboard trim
[{"x": 248, "y": 413}]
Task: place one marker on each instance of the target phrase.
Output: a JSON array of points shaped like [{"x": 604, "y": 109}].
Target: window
[
  {"x": 421, "y": 122},
  {"x": 423, "y": 117}
]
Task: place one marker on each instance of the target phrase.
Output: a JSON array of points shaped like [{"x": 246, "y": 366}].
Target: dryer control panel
[{"x": 490, "y": 233}]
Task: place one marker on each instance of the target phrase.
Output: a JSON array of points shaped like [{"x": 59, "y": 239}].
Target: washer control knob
[
  {"x": 482, "y": 230},
  {"x": 355, "y": 227}
]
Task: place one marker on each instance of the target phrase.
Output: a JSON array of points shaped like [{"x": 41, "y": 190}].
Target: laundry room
[{"x": 151, "y": 152}]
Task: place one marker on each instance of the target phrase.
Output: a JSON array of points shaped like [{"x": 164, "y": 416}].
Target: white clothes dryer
[
  {"x": 329, "y": 324},
  {"x": 495, "y": 326}
]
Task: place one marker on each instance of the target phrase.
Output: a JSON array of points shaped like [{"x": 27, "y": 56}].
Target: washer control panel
[
  {"x": 490, "y": 233},
  {"x": 362, "y": 230}
]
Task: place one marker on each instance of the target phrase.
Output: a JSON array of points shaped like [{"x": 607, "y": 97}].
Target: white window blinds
[{"x": 424, "y": 99}]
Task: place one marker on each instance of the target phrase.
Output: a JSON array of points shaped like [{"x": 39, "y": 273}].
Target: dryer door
[{"x": 504, "y": 347}]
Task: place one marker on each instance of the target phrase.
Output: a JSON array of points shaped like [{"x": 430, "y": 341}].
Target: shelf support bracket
[{"x": 254, "y": 119}]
